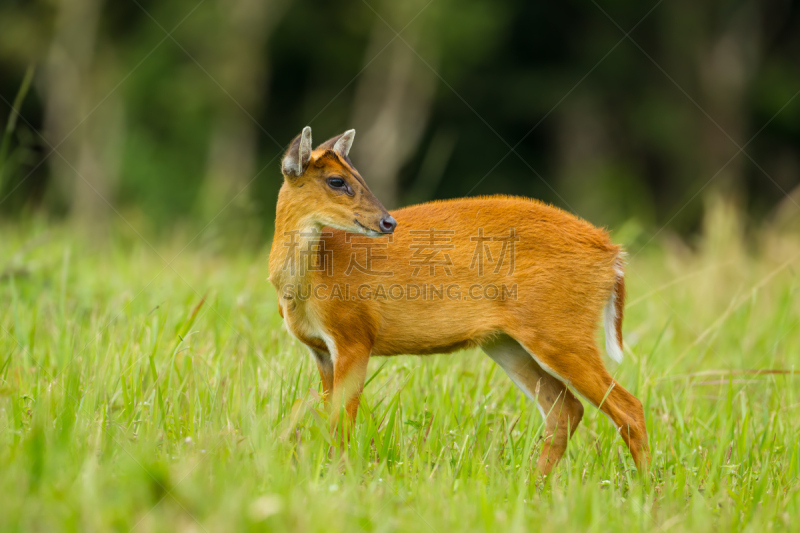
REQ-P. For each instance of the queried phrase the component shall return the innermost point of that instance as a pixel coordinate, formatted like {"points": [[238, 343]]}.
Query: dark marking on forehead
{"points": [[327, 156], [357, 176], [355, 172], [330, 155]]}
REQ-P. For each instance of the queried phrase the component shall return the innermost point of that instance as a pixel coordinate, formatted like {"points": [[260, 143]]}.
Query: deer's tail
{"points": [[614, 310]]}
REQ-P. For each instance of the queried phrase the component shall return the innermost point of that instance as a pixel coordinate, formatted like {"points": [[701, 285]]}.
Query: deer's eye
{"points": [[335, 183]]}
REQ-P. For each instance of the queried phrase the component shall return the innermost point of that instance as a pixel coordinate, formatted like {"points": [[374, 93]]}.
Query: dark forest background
{"points": [[618, 110]]}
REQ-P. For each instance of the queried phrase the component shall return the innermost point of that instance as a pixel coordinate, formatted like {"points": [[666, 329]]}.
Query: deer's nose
{"points": [[388, 223]]}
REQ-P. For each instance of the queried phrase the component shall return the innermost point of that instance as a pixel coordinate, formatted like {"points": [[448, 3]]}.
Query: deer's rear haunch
{"points": [[526, 282]]}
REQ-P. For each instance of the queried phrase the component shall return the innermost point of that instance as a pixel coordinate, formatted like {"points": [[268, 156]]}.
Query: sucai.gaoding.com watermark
{"points": [[395, 292], [430, 264]]}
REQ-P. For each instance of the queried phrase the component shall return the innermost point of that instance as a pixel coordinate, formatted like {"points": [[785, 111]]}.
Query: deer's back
{"points": [[456, 272]]}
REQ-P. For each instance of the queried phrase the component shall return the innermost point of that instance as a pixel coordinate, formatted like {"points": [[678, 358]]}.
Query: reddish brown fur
{"points": [[544, 339]]}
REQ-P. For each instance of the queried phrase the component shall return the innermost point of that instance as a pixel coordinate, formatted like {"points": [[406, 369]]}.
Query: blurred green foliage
{"points": [[180, 110]]}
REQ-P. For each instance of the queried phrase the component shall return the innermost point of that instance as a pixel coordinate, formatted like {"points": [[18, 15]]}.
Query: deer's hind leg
{"points": [[560, 408], [578, 363]]}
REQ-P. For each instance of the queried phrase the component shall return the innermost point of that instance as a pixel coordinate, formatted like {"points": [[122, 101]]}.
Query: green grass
{"points": [[122, 410]]}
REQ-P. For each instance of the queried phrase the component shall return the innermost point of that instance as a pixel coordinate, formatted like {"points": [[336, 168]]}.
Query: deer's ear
{"points": [[340, 144], [343, 144], [296, 158]]}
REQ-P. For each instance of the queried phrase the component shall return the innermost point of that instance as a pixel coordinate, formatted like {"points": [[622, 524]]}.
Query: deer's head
{"points": [[325, 189]]}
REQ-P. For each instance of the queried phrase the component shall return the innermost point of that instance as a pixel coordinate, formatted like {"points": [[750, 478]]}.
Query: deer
{"points": [[534, 311]]}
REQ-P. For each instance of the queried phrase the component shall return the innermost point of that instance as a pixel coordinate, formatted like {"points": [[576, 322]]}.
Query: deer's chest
{"points": [[303, 321]]}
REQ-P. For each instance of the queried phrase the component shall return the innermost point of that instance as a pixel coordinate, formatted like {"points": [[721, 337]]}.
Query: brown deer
{"points": [[524, 281]]}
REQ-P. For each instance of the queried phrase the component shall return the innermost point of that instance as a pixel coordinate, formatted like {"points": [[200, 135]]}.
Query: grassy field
{"points": [[128, 403]]}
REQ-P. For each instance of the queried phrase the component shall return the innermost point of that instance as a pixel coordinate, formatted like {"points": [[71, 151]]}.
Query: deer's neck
{"points": [[295, 231]]}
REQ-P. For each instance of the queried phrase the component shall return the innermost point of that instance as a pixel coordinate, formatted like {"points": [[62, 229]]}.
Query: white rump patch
{"points": [[612, 342]]}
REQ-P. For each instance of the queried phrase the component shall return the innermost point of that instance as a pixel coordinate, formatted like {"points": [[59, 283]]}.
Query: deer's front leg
{"points": [[325, 367], [349, 372]]}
